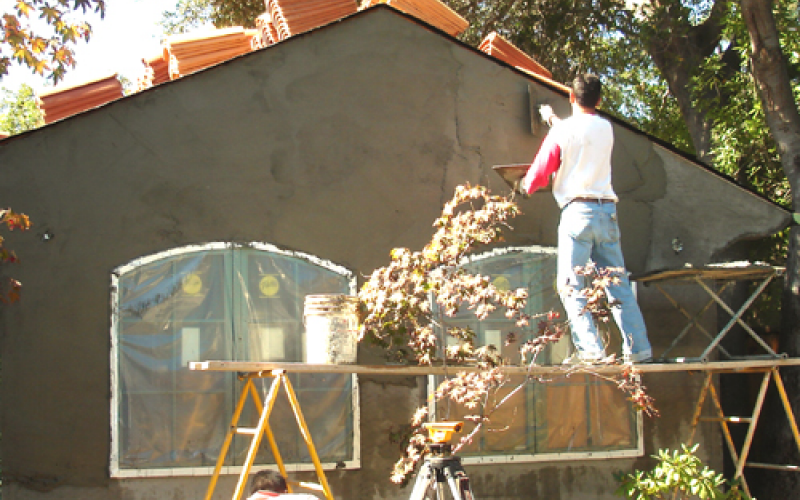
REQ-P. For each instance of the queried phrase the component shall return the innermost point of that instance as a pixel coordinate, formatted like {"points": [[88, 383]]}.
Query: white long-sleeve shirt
{"points": [[577, 151]]}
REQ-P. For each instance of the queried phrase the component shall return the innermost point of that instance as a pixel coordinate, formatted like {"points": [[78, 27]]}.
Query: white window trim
{"points": [[114, 468], [539, 250], [637, 451]]}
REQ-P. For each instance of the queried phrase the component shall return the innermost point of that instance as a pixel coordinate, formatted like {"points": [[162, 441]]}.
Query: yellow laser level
{"points": [[441, 468], [441, 432]]}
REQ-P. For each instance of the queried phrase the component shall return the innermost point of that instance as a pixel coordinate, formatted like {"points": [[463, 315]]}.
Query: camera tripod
{"points": [[440, 467]]}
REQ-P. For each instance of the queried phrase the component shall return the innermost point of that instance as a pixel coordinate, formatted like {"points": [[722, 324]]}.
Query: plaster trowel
{"points": [[512, 174]]}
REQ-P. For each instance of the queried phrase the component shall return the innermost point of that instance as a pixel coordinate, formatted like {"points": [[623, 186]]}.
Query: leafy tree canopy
{"points": [[742, 144], [45, 46], [192, 14], [18, 111], [9, 287]]}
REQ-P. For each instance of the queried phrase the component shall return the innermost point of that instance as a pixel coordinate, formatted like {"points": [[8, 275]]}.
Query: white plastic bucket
{"points": [[331, 329]]}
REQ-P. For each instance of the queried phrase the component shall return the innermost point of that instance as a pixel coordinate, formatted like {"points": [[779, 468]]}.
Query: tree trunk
{"points": [[769, 69], [678, 48], [679, 79]]}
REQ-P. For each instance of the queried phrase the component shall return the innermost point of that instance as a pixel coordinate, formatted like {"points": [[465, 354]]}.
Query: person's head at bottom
{"points": [[268, 480]]}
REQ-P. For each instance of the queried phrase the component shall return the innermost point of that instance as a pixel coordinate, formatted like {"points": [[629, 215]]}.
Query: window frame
{"points": [[486, 458], [114, 465]]}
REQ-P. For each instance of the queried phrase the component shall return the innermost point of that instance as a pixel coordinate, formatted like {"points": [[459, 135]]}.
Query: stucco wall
{"points": [[343, 144]]}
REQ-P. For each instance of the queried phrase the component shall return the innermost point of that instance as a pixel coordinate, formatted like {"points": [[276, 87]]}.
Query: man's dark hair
{"points": [[268, 480], [587, 89]]}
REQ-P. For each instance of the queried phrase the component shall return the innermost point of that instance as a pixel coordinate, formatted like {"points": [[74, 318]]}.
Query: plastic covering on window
{"points": [[585, 414], [564, 415], [225, 304]]}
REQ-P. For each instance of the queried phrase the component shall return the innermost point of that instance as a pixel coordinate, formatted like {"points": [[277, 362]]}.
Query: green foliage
{"points": [[680, 475], [18, 111], [187, 16], [44, 52], [192, 14], [562, 35], [635, 92], [237, 12], [743, 146]]}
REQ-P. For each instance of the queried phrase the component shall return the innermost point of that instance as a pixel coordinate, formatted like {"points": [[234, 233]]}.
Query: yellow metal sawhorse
{"points": [[740, 457], [280, 378]]}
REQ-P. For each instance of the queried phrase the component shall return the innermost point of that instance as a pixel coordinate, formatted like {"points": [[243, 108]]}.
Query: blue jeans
{"points": [[589, 231]]}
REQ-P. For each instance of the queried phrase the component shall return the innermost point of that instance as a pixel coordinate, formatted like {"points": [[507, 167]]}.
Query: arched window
{"points": [[218, 302], [573, 417]]}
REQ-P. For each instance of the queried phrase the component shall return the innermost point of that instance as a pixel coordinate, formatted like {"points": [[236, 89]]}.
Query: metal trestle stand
{"points": [[280, 378]]}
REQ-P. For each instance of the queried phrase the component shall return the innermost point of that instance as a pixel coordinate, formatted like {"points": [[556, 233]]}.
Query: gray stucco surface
{"points": [[342, 143]]}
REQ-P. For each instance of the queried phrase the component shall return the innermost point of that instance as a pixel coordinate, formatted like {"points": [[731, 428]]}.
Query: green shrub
{"points": [[680, 475]]}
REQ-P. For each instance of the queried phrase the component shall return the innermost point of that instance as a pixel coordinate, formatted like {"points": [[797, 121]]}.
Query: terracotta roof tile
{"points": [[499, 47], [432, 12], [290, 17], [269, 34], [61, 102], [187, 53], [154, 72]]}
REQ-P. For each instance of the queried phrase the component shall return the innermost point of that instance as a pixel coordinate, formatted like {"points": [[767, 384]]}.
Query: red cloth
{"points": [[546, 163]]}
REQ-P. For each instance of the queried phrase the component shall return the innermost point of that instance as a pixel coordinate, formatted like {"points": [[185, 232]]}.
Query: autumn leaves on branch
{"points": [[42, 52], [10, 290], [404, 306]]}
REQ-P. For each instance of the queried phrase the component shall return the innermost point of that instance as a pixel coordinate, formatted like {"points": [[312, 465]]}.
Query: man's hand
{"points": [[519, 188], [547, 114]]}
